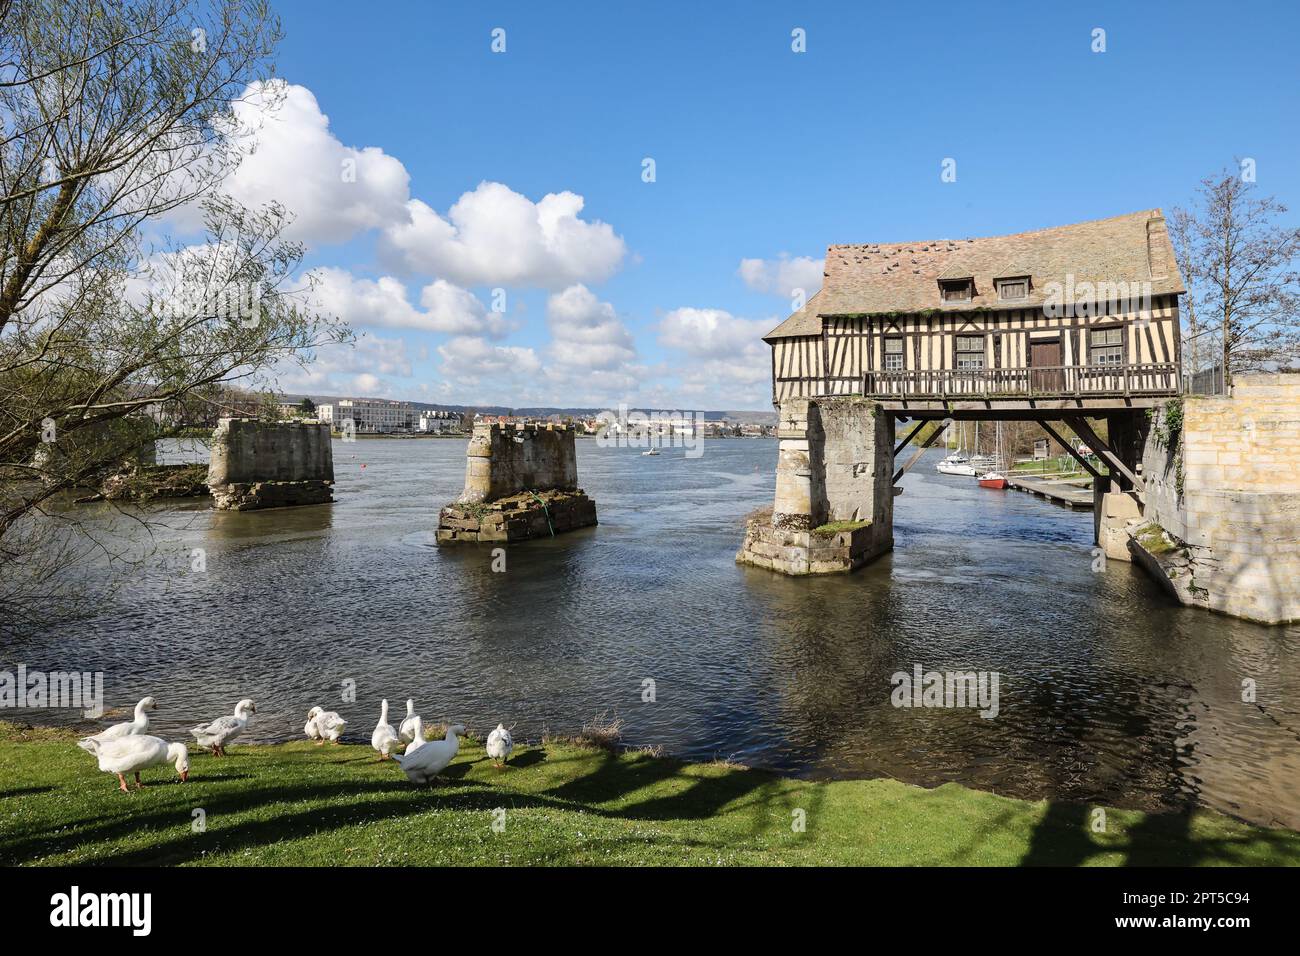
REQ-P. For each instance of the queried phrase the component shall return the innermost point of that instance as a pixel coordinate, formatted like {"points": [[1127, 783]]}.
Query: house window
{"points": [[970, 351], [1010, 289], [957, 290], [893, 355], [1106, 346]]}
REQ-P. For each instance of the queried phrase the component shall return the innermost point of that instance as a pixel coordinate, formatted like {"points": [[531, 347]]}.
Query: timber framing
{"points": [[1096, 328]]}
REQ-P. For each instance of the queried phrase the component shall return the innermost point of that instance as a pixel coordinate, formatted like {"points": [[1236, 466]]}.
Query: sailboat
{"points": [[993, 477], [957, 463]]}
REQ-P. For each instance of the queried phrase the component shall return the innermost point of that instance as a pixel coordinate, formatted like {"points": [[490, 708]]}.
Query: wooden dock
{"points": [[1062, 492]]}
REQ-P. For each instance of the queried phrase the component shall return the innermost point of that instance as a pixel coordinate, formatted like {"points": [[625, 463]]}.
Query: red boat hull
{"points": [[993, 483]]}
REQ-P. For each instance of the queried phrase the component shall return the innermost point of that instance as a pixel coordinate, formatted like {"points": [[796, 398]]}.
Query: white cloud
{"points": [[367, 385], [728, 365], [586, 332], [361, 369], [334, 191], [469, 359], [383, 302], [781, 276], [713, 332], [495, 236]]}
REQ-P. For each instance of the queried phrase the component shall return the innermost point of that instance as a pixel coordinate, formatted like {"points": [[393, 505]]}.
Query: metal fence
{"points": [[1207, 381]]}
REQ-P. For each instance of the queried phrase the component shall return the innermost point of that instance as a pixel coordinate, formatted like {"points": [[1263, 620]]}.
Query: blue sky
{"points": [[760, 153]]}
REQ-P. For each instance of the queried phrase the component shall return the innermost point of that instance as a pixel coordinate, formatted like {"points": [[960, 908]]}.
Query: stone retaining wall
{"points": [[1223, 490]]}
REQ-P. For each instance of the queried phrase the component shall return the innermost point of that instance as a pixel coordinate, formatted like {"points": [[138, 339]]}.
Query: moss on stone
{"points": [[835, 527]]}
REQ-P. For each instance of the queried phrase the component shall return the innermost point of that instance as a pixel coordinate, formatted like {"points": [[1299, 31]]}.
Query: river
{"points": [[1107, 690]]}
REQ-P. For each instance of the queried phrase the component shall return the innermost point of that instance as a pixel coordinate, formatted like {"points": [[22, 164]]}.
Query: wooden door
{"points": [[1045, 360]]}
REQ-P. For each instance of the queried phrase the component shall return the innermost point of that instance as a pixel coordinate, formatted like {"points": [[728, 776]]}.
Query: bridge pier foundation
{"points": [[834, 506]]}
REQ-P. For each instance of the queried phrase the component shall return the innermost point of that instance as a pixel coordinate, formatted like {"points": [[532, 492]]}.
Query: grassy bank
{"points": [[302, 804]]}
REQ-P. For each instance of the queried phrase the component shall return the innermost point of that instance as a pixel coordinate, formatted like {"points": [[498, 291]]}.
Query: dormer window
{"points": [[1011, 289], [956, 290]]}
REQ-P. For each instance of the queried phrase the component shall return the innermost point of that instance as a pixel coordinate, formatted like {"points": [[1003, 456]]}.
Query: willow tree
{"points": [[117, 116]]}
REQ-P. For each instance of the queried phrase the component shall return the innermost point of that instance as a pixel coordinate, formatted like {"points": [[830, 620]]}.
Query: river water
{"points": [[1107, 691]]}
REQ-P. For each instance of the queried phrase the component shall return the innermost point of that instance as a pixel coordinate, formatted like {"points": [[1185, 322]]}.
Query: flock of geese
{"points": [[128, 748]]}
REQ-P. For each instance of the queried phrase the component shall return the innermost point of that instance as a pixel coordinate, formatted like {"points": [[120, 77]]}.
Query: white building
{"points": [[369, 415], [437, 422]]}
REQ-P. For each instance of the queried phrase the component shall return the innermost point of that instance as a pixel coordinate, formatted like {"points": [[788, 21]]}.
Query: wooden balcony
{"points": [[1040, 382]]}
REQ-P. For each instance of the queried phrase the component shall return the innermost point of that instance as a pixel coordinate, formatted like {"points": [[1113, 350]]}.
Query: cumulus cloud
{"points": [[361, 368], [494, 235], [727, 363], [781, 276], [711, 333], [587, 332], [333, 191], [384, 302], [469, 359]]}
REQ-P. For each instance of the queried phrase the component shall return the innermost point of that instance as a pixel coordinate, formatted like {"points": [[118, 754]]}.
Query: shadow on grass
{"points": [[529, 758], [24, 792], [1063, 837]]}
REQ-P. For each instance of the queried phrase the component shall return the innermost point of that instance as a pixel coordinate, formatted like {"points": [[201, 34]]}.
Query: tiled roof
{"points": [[806, 321], [879, 278]]}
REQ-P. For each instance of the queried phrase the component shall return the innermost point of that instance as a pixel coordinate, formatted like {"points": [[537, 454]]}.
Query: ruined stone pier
{"points": [[834, 505], [255, 464], [521, 482]]}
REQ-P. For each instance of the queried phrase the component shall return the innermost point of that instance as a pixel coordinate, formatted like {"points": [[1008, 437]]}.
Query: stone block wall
{"points": [[255, 464], [834, 465], [1225, 493], [503, 460], [521, 482]]}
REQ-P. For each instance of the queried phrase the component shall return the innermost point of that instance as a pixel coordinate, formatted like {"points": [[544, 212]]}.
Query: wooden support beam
{"points": [[1087, 465], [910, 435], [1104, 451], [921, 451]]}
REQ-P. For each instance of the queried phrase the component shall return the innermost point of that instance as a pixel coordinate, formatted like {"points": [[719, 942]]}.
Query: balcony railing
{"points": [[1043, 381]]}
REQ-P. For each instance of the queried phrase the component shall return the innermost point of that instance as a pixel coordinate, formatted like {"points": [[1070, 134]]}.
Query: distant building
{"points": [[369, 415], [435, 422]]}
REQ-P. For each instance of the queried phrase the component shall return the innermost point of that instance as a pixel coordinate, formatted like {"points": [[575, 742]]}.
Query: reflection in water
{"points": [[1108, 691]]}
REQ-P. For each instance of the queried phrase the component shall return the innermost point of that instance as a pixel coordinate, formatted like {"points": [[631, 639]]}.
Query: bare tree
{"points": [[1239, 265]]}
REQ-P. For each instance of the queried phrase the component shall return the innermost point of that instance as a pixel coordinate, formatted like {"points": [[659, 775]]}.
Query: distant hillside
{"points": [[545, 411]]}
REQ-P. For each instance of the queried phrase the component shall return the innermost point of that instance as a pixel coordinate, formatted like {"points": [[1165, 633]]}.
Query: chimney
{"points": [[1159, 257]]}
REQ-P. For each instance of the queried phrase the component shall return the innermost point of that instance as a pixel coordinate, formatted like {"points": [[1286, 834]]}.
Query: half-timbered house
{"points": [[1084, 315]]}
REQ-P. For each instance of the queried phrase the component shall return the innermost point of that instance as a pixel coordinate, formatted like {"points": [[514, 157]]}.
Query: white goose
{"points": [[422, 762], [224, 729], [499, 745], [417, 737], [137, 726], [326, 724], [137, 752], [407, 730], [384, 739]]}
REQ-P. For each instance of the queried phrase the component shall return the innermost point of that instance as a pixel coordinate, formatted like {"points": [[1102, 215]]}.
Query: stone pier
{"points": [[255, 464], [1220, 527], [521, 482], [834, 505]]}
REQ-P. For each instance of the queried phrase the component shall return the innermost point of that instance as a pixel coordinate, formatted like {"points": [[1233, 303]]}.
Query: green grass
{"points": [[302, 804]]}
